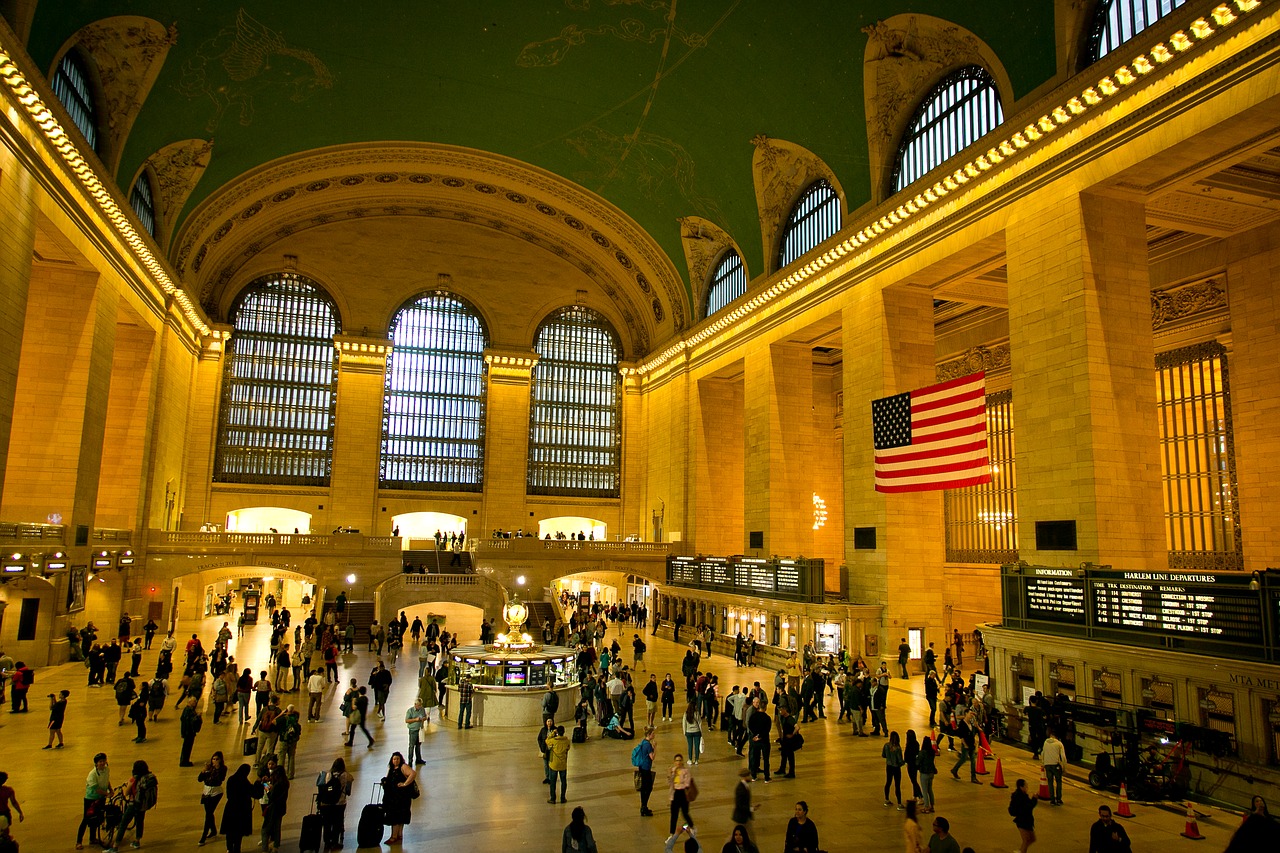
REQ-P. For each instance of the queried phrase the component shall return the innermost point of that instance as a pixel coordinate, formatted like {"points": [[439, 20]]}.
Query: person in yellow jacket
{"points": [[558, 760]]}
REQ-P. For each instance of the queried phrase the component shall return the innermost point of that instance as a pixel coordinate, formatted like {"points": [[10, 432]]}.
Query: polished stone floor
{"points": [[482, 791]]}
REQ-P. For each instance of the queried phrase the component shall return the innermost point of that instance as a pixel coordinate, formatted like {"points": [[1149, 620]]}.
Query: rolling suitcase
{"points": [[369, 829], [312, 831]]}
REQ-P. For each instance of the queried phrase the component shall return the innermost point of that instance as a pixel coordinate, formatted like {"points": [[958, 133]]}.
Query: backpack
{"points": [[148, 790], [330, 790], [268, 723], [290, 730], [636, 755], [124, 689]]}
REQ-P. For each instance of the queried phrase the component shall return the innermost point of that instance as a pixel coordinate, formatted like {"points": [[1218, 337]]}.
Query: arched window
{"points": [[815, 217], [433, 412], [727, 283], [959, 111], [1117, 21], [575, 419], [143, 203], [71, 85], [276, 424]]}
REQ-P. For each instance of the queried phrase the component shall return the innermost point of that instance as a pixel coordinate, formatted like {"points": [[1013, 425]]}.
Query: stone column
{"points": [[1255, 405], [55, 448], [719, 442], [889, 349], [203, 412], [778, 418], [1084, 410], [506, 454], [17, 244], [121, 483], [357, 435]]}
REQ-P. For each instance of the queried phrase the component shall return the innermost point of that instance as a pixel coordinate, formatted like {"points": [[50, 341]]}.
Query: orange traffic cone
{"points": [[1193, 830], [981, 766], [998, 781], [985, 744], [1123, 809], [1044, 786]]}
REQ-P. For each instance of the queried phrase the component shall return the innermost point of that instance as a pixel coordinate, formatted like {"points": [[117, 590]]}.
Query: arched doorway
{"points": [[424, 525], [569, 526], [223, 592], [268, 519]]}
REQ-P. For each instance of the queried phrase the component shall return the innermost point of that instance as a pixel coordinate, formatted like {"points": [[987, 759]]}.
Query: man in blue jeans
{"points": [[465, 692], [966, 730], [1053, 755]]}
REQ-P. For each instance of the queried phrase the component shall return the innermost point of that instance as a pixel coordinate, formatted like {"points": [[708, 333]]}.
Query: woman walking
{"points": [[211, 777], [927, 768], [577, 836], [912, 834], [398, 790], [683, 790], [693, 731], [237, 817], [909, 753], [1022, 806], [891, 752], [244, 687]]}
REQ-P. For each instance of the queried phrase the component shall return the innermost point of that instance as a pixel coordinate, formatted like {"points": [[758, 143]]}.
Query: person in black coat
{"points": [[237, 816], [1022, 806]]}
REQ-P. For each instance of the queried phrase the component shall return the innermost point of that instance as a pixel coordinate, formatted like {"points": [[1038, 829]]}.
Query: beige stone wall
{"points": [[126, 430], [17, 240], [720, 454]]}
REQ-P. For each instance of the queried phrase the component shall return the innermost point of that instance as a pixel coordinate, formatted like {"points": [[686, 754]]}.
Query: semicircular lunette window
{"points": [[276, 424], [71, 85], [143, 203], [575, 418], [728, 281], [959, 111], [814, 218], [434, 408], [1117, 21]]}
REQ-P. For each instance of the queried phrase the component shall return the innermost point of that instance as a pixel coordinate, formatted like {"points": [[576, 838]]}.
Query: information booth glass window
{"points": [[1217, 710], [1063, 677]]}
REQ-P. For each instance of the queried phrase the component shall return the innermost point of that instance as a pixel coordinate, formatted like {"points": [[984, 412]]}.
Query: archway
{"points": [[452, 616], [220, 592], [424, 525], [571, 525], [268, 519]]}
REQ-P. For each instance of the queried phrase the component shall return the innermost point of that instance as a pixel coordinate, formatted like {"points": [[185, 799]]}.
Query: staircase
{"points": [[360, 614], [433, 562], [539, 612]]}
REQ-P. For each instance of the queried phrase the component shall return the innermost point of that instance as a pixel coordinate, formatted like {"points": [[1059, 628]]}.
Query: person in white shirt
{"points": [[1054, 756], [315, 690]]}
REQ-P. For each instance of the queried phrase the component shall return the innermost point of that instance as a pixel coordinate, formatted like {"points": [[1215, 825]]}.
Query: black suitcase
{"points": [[369, 829], [312, 830]]}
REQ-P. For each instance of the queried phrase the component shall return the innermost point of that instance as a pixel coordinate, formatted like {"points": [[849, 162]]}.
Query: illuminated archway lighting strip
{"points": [[1180, 42], [89, 181]]}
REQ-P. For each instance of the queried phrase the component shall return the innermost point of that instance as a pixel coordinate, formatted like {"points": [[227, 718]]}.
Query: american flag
{"points": [[933, 438]]}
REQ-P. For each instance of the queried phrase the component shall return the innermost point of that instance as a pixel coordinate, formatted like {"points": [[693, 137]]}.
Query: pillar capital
{"points": [[510, 365], [359, 354]]}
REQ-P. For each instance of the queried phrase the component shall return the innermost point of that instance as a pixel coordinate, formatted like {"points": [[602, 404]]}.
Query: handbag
{"points": [[795, 741], [638, 779], [414, 790], [251, 746], [691, 792]]}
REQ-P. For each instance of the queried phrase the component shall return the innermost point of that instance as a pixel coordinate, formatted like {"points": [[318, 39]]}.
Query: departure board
{"points": [[755, 574], [788, 575], [1204, 606], [1056, 595]]}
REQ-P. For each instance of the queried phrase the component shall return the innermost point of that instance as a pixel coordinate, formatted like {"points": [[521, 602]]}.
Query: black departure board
{"points": [[788, 575], [1205, 606], [755, 574], [1056, 595]]}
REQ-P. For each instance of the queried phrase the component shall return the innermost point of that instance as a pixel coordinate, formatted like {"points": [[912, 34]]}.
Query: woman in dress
{"points": [[577, 836], [397, 796], [237, 817], [1022, 806], [681, 781], [211, 777]]}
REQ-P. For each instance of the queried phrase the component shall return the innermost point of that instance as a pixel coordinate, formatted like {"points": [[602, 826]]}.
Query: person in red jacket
{"points": [[18, 686]]}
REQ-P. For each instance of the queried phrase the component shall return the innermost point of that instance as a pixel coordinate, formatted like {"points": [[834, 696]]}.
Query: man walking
{"points": [[759, 727], [558, 761], [414, 719], [966, 731], [466, 690], [315, 690], [644, 766], [904, 655], [1053, 755]]}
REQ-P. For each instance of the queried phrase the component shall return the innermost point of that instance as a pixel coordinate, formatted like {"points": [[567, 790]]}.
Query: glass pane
{"points": [[958, 112], [728, 282], [815, 217]]}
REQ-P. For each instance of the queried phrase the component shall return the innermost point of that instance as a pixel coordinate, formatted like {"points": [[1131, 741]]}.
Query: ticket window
{"points": [[1217, 710], [1271, 725], [828, 641], [1063, 678], [775, 625], [1107, 688], [1157, 694], [1023, 669]]}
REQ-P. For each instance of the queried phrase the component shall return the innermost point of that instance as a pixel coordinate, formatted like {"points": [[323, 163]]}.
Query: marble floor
{"points": [[482, 791]]}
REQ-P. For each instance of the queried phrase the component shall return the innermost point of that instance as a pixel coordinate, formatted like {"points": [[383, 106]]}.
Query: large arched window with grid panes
{"points": [[728, 281], [71, 85], [1117, 21], [575, 417], [959, 111], [814, 218], [433, 411], [142, 200], [276, 424]]}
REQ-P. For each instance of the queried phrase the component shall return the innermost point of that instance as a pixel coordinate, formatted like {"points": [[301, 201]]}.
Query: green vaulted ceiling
{"points": [[650, 104]]}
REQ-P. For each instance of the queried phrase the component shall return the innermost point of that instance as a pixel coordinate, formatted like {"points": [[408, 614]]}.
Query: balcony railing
{"points": [[531, 545], [32, 534], [281, 541]]}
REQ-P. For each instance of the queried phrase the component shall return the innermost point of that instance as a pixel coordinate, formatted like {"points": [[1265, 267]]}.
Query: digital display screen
{"points": [[788, 576], [517, 677], [1177, 604], [1056, 595]]}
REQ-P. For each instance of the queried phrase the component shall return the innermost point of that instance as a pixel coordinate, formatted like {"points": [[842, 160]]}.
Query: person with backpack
{"points": [[333, 788], [138, 712], [140, 794], [642, 760], [289, 729], [125, 695], [267, 726]]}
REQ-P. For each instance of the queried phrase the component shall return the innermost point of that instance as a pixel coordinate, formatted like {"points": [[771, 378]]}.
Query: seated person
{"points": [[617, 731]]}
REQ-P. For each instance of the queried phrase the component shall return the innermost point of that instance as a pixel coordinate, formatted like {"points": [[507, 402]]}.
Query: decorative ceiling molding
{"points": [[1191, 302], [994, 359], [905, 57], [175, 169], [704, 243], [128, 53], [781, 171], [436, 180]]}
